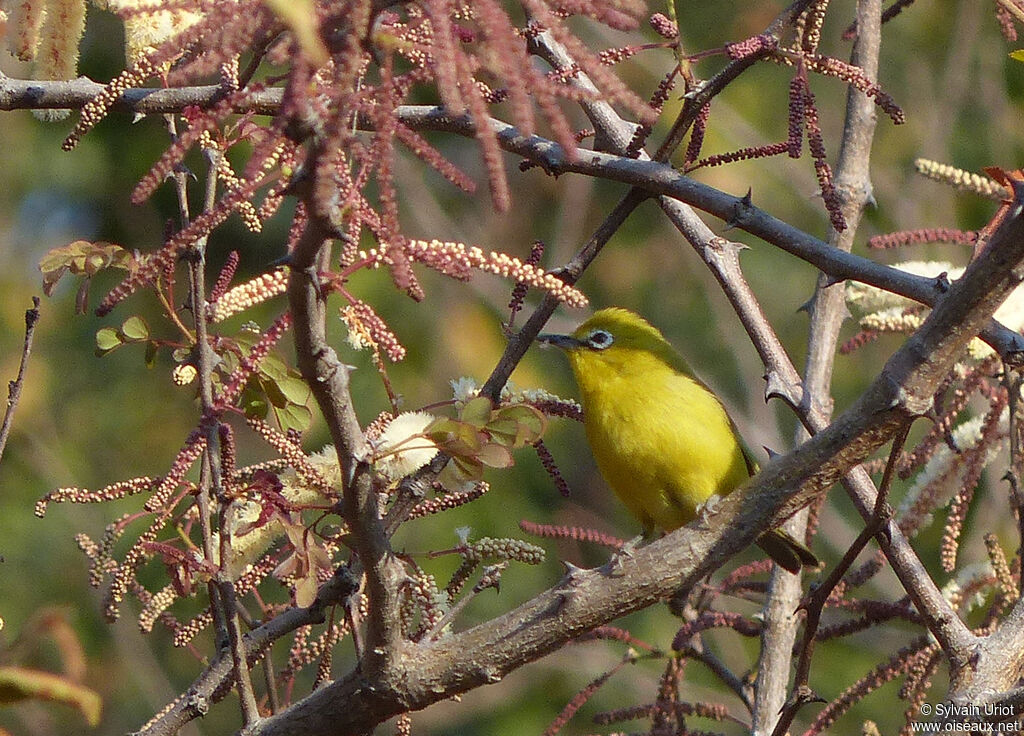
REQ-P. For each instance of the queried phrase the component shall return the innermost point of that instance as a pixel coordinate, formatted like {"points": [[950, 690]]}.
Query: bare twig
{"points": [[222, 592], [702, 95], [815, 602], [74, 94], [328, 379], [827, 312], [14, 387]]}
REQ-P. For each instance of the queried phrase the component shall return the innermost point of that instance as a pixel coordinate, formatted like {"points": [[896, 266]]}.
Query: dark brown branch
{"points": [[223, 602]]}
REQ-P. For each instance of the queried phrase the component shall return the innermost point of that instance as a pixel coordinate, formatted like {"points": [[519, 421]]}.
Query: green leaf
{"points": [[107, 339], [455, 437], [305, 589], [495, 456], [466, 469], [293, 416], [273, 392], [524, 414], [180, 355], [517, 425], [503, 431], [295, 389], [477, 411], [255, 406], [135, 329], [273, 367], [1017, 55]]}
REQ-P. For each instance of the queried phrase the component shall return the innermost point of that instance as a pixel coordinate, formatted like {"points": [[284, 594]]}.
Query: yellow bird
{"points": [[661, 438]]}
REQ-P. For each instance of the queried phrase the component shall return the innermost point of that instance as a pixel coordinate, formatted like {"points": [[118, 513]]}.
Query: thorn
{"points": [[740, 210], [724, 245], [807, 306], [1018, 196], [942, 283], [775, 387], [694, 90], [314, 278], [571, 570], [771, 453], [614, 566], [831, 280]]}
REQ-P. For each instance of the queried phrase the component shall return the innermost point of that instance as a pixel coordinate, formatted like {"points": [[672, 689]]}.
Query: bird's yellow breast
{"points": [[662, 441]]}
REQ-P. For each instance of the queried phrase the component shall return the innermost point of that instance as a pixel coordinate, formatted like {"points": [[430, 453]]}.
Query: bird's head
{"points": [[613, 336]]}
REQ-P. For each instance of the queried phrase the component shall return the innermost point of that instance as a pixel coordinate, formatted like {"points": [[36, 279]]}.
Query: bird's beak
{"points": [[566, 342]]}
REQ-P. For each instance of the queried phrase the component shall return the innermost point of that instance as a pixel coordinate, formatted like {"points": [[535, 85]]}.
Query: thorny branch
{"points": [[815, 601]]}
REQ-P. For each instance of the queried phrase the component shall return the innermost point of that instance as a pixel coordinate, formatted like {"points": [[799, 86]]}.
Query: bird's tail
{"points": [[787, 552]]}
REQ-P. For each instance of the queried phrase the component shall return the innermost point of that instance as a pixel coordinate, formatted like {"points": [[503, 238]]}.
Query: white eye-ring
{"points": [[599, 339]]}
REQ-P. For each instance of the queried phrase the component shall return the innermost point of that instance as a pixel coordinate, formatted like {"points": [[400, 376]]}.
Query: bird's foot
{"points": [[708, 509]]}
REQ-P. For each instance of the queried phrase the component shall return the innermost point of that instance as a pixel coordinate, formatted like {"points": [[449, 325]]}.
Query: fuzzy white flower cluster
{"points": [[401, 448], [972, 576], [883, 311], [466, 388], [965, 436]]}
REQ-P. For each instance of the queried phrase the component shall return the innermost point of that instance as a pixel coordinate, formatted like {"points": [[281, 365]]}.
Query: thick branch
{"points": [[485, 653], [328, 379]]}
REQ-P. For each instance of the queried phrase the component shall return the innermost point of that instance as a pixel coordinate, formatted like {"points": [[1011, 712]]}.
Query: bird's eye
{"points": [[599, 339]]}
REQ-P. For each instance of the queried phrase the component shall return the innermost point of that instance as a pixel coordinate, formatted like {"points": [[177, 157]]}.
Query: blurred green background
{"points": [[88, 421]]}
